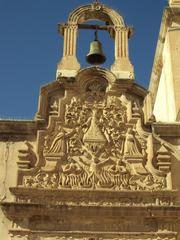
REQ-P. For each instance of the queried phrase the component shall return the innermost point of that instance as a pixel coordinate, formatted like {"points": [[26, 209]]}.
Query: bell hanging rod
{"points": [[107, 27], [104, 27], [61, 27], [96, 27]]}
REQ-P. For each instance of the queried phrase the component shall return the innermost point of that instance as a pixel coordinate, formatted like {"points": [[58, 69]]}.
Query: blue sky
{"points": [[30, 46]]}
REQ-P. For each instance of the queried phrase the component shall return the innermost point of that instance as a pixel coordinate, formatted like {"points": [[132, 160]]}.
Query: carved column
{"points": [[70, 33], [69, 65], [122, 66], [121, 43]]}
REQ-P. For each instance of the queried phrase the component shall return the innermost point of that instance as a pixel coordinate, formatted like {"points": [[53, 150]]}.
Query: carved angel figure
{"points": [[59, 144], [131, 144]]}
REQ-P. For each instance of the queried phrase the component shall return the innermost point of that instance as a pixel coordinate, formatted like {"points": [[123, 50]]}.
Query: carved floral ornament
{"points": [[98, 142]]}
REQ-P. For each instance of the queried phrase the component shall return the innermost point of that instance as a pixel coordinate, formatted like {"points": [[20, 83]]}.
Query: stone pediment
{"points": [[96, 139]]}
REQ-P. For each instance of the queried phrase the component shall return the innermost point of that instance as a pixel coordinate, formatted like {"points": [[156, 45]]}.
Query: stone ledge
{"points": [[166, 129], [96, 235], [94, 197], [20, 127], [115, 219]]}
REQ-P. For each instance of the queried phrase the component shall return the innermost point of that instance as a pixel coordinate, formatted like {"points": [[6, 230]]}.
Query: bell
{"points": [[95, 55]]}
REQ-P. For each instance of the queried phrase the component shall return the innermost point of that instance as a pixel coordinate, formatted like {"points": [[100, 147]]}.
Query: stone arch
{"points": [[69, 65], [93, 12]]}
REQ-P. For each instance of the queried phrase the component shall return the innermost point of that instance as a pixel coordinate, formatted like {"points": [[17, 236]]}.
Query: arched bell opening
{"points": [[69, 65], [85, 41]]}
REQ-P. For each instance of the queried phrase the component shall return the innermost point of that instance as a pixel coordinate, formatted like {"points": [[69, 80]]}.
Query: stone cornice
{"points": [[89, 218], [20, 127], [60, 198], [15, 210], [80, 235], [167, 129], [51, 86]]}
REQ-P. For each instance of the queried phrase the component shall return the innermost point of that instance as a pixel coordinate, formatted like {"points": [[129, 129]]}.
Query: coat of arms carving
{"points": [[97, 142]]}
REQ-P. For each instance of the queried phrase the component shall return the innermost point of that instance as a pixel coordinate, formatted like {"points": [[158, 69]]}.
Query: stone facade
{"points": [[164, 84], [94, 164]]}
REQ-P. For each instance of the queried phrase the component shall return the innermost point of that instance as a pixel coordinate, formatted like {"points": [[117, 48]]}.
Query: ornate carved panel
{"points": [[98, 141], [94, 168]]}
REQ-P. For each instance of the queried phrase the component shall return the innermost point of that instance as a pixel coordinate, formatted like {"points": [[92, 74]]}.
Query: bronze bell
{"points": [[96, 55]]}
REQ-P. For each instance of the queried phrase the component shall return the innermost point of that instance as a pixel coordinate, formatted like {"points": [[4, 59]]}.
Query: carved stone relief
{"points": [[27, 156], [53, 105], [95, 91], [96, 171], [98, 145]]}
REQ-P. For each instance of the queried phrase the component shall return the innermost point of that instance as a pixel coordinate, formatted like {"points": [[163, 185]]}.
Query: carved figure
{"points": [[54, 106], [59, 144], [98, 149], [135, 110], [119, 168], [131, 144], [94, 139]]}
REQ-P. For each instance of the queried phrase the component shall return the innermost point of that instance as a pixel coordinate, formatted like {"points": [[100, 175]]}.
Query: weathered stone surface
{"points": [[94, 164], [174, 3], [164, 84]]}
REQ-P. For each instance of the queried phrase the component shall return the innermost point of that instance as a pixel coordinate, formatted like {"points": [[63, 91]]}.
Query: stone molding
{"points": [[66, 235]]}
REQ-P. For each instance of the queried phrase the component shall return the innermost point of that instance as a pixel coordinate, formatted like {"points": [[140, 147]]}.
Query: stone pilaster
{"points": [[122, 66], [69, 64]]}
